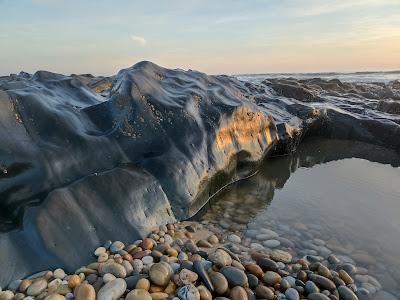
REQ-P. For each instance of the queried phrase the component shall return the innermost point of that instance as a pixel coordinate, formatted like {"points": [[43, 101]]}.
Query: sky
{"points": [[213, 36]]}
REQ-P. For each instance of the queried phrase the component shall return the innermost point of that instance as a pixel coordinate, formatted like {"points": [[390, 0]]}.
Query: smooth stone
{"points": [[112, 290], [346, 294], [159, 296], [117, 246], [271, 278], [114, 268], [147, 260], [253, 281], [292, 294], [131, 281], [271, 243], [138, 294], [204, 244], [213, 239], [37, 287], [311, 288], [234, 276], [254, 269], [323, 282], [108, 277], [345, 277], [324, 271], [160, 273], [84, 292], [238, 293], [6, 295], [233, 238], [282, 256], [349, 268], [318, 296], [187, 277], [57, 297], [198, 267], [219, 282], [220, 258], [267, 264], [143, 284], [285, 285], [262, 292], [205, 294], [100, 250], [188, 292]]}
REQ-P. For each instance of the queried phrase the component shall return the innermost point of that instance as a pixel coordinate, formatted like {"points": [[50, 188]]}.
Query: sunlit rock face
{"points": [[84, 159]]}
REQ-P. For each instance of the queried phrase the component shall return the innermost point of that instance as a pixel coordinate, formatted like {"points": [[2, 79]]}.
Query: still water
{"points": [[321, 202]]}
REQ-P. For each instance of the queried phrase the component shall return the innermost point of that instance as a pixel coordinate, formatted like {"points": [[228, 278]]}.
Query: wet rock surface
{"points": [[85, 159]]}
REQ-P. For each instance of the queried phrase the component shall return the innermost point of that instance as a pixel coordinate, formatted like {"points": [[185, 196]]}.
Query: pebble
{"points": [[204, 244], [318, 296], [219, 282], [234, 276], [187, 277], [282, 256], [292, 294], [198, 267], [116, 269], [311, 288], [213, 239], [73, 281], [84, 292], [37, 287], [143, 283], [267, 264], [238, 293], [205, 294], [138, 294], [112, 290], [220, 258], [188, 292], [117, 246], [346, 294], [160, 273], [322, 282], [55, 297], [271, 243], [271, 278], [263, 292], [99, 251], [233, 238]]}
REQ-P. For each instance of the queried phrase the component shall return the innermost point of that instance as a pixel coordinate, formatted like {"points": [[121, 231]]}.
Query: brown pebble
{"points": [[74, 281], [156, 289], [84, 292], [171, 288], [141, 254], [24, 285], [238, 293], [159, 296], [264, 292], [147, 244], [254, 269], [143, 284]]}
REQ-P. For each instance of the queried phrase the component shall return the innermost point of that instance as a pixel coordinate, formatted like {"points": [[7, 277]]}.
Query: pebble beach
{"points": [[205, 260]]}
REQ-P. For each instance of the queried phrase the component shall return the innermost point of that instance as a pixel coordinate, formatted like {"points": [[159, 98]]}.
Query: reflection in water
{"points": [[343, 204]]}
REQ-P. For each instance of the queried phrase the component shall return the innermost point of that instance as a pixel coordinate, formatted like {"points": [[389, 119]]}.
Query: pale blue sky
{"points": [[214, 36]]}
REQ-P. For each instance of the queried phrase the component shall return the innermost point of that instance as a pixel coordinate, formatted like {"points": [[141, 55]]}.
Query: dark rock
{"points": [[199, 269]]}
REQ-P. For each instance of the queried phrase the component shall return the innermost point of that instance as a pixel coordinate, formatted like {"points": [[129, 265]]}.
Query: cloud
{"points": [[139, 40]]}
